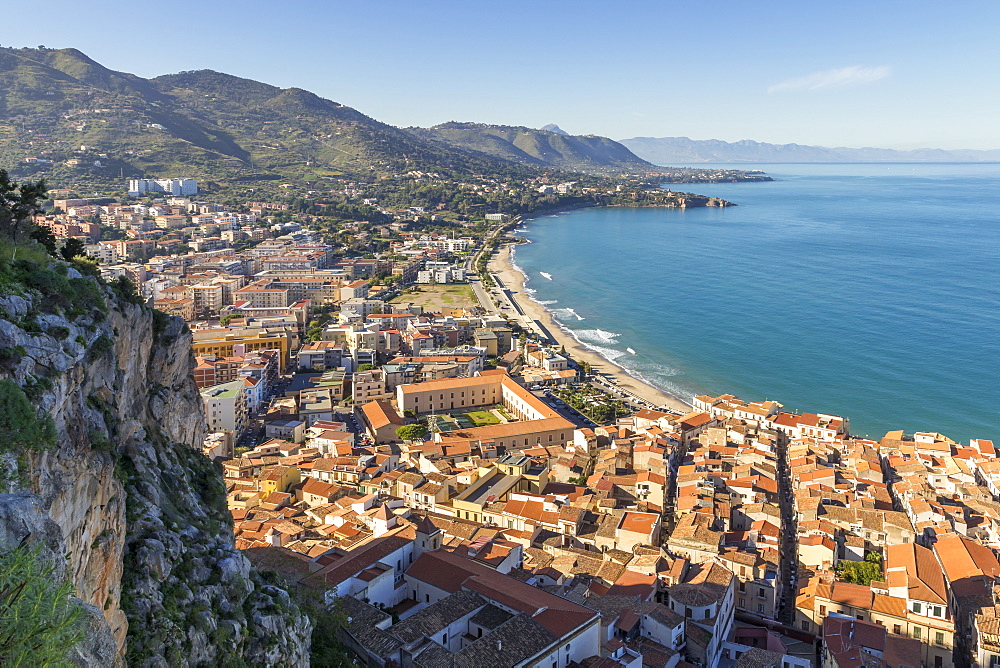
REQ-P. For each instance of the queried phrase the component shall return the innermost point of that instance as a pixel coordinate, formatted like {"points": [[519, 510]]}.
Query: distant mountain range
{"points": [[681, 150], [538, 148], [69, 119]]}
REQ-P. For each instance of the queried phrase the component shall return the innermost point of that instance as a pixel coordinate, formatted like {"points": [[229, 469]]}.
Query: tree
{"points": [[72, 248], [862, 572], [44, 236], [18, 203], [125, 289], [366, 367], [412, 432]]}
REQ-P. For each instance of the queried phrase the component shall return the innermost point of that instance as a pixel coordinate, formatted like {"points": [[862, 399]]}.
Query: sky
{"points": [[886, 73]]}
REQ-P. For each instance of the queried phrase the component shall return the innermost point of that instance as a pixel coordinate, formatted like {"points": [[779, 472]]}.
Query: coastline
{"points": [[501, 266]]}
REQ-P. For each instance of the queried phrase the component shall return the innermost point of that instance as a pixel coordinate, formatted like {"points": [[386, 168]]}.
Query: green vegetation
{"points": [[20, 423], [861, 572], [590, 401], [316, 327], [40, 623], [482, 418], [541, 148], [212, 126], [325, 650], [366, 367], [126, 291], [412, 432], [237, 134], [17, 204]]}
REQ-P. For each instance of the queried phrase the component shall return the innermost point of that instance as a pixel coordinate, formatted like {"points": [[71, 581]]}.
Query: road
{"points": [[789, 546]]}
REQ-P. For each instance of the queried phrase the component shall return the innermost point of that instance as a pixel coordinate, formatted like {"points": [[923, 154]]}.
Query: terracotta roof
{"points": [[451, 572], [381, 414]]}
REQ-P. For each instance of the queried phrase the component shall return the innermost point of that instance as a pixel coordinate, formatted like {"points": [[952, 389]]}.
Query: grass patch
{"points": [[437, 297], [482, 418]]}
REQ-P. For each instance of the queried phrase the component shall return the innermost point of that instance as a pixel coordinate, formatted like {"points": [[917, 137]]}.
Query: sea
{"points": [[870, 291]]}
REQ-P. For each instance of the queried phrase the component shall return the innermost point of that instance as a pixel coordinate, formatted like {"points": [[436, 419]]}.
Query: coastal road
{"points": [[482, 296]]}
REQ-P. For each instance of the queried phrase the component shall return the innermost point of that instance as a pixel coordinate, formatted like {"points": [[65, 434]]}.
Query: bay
{"points": [[867, 291]]}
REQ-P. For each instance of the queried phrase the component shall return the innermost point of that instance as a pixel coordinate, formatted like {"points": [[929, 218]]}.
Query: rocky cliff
{"points": [[126, 492]]}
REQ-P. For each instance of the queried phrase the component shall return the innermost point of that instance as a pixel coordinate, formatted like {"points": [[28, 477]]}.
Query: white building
{"points": [[137, 187], [226, 407]]}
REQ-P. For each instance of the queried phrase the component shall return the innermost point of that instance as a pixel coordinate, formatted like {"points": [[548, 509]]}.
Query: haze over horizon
{"points": [[892, 75]]}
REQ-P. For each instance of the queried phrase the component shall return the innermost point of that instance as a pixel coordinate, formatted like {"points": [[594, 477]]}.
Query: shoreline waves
{"points": [[513, 277], [857, 291]]}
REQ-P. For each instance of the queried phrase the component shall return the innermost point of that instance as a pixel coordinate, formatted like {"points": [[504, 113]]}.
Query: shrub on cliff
{"points": [[39, 623], [20, 423]]}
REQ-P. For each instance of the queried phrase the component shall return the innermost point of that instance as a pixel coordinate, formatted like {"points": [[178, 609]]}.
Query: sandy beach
{"points": [[513, 279]]}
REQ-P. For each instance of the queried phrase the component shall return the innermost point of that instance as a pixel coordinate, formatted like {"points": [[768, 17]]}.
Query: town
{"points": [[394, 435]]}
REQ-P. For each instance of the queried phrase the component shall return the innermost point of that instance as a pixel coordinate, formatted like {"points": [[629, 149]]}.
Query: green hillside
{"points": [[541, 148], [60, 105]]}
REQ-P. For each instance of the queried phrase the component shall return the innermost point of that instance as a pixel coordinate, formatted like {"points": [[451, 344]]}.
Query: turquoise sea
{"points": [[868, 291]]}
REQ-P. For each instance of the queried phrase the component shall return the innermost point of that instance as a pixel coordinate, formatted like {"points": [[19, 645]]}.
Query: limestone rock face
{"points": [[129, 497]]}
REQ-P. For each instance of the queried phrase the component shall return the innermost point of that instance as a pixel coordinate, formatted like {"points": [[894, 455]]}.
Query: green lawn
{"points": [[482, 418]]}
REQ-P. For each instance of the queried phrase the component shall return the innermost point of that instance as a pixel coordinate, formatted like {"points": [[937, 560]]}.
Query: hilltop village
{"points": [[467, 494]]}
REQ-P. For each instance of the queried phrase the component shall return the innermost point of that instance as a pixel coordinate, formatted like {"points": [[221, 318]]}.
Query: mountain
{"points": [[552, 127], [540, 148], [674, 150], [203, 124]]}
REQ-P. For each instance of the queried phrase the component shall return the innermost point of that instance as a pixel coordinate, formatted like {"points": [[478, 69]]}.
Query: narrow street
{"points": [[789, 546]]}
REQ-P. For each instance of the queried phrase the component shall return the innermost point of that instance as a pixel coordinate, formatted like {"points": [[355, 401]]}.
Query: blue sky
{"points": [[889, 74]]}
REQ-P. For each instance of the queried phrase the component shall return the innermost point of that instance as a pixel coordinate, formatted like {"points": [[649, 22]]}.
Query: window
{"points": [[760, 593], [917, 632], [743, 603], [939, 638], [822, 610], [707, 613], [805, 626], [916, 607], [937, 611], [760, 608]]}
